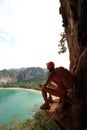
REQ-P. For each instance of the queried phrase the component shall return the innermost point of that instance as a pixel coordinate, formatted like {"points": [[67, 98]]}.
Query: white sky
{"points": [[29, 33]]}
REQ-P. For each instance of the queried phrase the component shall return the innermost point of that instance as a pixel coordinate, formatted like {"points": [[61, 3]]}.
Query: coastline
{"points": [[31, 90]]}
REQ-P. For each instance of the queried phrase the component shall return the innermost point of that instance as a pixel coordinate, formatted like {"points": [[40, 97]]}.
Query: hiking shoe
{"points": [[45, 106]]}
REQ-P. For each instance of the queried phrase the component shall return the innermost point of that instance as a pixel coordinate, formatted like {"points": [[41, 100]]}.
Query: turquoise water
{"points": [[18, 102]]}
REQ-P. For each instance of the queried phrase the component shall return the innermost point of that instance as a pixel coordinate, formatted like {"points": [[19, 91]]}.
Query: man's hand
{"points": [[41, 85]]}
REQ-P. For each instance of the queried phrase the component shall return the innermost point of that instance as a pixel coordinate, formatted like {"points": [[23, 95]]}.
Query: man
{"points": [[54, 84]]}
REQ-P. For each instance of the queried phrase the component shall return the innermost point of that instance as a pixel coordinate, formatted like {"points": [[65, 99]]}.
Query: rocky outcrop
{"points": [[73, 116], [7, 79], [32, 73], [8, 76], [25, 74], [68, 115], [75, 22]]}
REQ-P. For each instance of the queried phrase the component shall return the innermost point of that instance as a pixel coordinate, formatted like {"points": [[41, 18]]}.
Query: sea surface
{"points": [[20, 103]]}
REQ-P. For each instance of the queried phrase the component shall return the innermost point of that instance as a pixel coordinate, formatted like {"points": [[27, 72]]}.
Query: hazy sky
{"points": [[29, 33]]}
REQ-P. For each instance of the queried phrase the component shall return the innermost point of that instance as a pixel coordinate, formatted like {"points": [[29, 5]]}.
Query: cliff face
{"points": [[8, 76], [67, 115], [73, 115], [32, 73], [27, 74]]}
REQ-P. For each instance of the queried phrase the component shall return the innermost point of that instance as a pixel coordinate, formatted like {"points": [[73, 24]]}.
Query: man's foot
{"points": [[45, 106]]}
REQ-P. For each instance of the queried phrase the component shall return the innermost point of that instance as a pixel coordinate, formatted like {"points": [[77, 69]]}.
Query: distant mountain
{"points": [[22, 74]]}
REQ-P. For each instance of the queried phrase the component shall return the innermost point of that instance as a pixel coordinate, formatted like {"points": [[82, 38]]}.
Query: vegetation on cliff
{"points": [[39, 122]]}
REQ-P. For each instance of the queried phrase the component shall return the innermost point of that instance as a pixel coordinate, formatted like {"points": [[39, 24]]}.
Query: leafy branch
{"points": [[62, 43]]}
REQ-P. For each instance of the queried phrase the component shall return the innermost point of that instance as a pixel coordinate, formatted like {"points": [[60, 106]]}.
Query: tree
{"points": [[74, 15], [62, 43]]}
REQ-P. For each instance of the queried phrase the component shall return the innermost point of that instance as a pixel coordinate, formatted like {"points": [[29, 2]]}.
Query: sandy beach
{"points": [[32, 90]]}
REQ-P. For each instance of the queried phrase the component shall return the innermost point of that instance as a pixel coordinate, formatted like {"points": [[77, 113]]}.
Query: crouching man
{"points": [[58, 83]]}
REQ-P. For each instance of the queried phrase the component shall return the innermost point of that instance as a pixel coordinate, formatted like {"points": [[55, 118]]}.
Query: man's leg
{"points": [[46, 104], [44, 94], [54, 92]]}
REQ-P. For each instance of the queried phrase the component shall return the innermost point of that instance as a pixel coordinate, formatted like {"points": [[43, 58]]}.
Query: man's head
{"points": [[50, 65]]}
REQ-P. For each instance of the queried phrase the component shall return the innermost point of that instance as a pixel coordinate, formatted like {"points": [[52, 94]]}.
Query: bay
{"points": [[18, 102]]}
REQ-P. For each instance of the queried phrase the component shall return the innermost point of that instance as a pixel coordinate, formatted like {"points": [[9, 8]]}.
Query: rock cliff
{"points": [[22, 74], [73, 115]]}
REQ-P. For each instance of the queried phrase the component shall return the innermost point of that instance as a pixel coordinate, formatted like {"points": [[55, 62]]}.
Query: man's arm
{"points": [[48, 80]]}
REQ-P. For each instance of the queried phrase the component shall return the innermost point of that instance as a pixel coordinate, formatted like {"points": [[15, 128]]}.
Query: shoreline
{"points": [[26, 89]]}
